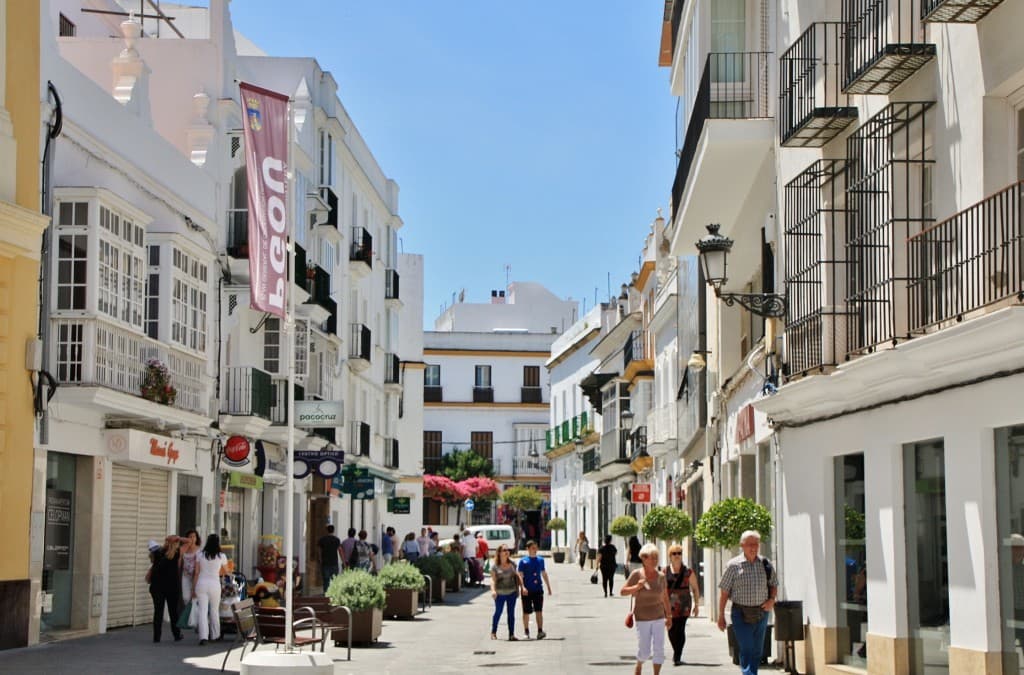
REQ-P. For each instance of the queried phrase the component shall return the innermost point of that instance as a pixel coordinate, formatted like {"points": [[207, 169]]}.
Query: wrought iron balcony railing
{"points": [[432, 394], [957, 11], [483, 394], [531, 395], [391, 286], [361, 249], [248, 392], [392, 370], [360, 346], [391, 453], [885, 44], [530, 466], [238, 233], [360, 439], [732, 86], [328, 195], [279, 409], [812, 106], [968, 262]]}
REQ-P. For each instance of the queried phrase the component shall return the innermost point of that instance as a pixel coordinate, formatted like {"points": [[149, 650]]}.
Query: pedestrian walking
{"points": [[683, 600], [410, 549], [346, 547], [211, 565], [387, 545], [329, 546], [607, 564], [633, 561], [750, 582], [505, 589], [582, 548], [650, 609], [164, 585], [362, 556], [189, 549], [531, 573]]}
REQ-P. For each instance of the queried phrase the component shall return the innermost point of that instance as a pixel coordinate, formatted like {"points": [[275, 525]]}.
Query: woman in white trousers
{"points": [[211, 565]]}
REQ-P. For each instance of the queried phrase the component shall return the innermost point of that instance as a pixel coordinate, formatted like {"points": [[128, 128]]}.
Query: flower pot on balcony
{"points": [[366, 627], [401, 602]]}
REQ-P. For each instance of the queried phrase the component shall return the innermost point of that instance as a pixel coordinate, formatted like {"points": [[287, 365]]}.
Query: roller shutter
{"points": [[138, 513]]}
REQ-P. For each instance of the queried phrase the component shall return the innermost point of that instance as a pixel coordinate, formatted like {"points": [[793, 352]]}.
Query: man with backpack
{"points": [[362, 556], [683, 599]]}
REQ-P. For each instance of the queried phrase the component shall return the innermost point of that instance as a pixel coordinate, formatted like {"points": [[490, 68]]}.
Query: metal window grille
{"points": [[887, 192]]}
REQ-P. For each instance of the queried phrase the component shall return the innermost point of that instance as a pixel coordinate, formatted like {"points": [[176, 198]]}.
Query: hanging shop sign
{"points": [[236, 451], [640, 493], [325, 462], [399, 505], [245, 480], [358, 482], [745, 423], [316, 414], [140, 447], [57, 550]]}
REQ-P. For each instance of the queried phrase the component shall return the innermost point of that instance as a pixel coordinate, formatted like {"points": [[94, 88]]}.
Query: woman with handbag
{"points": [[606, 563], [649, 609], [683, 600], [164, 586], [582, 548]]}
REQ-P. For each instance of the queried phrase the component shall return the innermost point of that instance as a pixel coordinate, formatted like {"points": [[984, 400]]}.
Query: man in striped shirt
{"points": [[751, 584]]}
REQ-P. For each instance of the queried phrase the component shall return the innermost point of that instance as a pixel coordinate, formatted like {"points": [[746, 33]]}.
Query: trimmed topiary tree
{"points": [[666, 522], [723, 523], [625, 527]]}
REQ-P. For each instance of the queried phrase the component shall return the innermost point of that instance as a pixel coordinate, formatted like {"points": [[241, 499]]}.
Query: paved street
{"points": [[585, 634]]}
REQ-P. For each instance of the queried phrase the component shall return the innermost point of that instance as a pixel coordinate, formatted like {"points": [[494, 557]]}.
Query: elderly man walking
{"points": [[751, 583]]}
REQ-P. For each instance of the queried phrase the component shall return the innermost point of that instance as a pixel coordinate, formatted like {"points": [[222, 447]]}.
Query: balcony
{"points": [[391, 287], [103, 364], [725, 163], [391, 453], [279, 402], [531, 395], [247, 392], [318, 285], [483, 394], [392, 371], [812, 106], [359, 347], [639, 459], [359, 439], [957, 11], [968, 264], [432, 394], [527, 466], [662, 425], [612, 457], [331, 200], [884, 44], [238, 233], [360, 253], [591, 461], [635, 360]]}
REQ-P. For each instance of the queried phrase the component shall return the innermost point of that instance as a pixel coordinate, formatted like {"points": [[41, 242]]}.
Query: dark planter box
{"points": [[454, 586], [437, 590], [366, 627], [559, 556], [401, 602]]}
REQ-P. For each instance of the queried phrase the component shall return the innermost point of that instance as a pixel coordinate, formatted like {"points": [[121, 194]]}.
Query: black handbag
{"points": [[593, 578]]}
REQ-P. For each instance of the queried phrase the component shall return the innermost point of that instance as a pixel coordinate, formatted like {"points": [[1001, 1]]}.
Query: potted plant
{"points": [[723, 523], [402, 584], [458, 566], [438, 569], [364, 594], [666, 522], [556, 525], [156, 383], [625, 527]]}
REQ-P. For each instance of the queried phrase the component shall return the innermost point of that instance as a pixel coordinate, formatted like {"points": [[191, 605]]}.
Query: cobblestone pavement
{"points": [[585, 634]]}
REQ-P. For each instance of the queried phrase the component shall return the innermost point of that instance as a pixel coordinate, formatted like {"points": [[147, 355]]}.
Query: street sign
{"points": [[470, 505], [357, 482], [641, 493]]}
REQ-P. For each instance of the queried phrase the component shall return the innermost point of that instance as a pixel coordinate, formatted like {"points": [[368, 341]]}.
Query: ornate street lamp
{"points": [[714, 259]]}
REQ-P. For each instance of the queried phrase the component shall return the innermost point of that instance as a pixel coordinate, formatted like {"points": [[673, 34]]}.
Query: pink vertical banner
{"points": [[266, 168]]}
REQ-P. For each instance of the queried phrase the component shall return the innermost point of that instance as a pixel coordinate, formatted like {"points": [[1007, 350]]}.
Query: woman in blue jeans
{"points": [[504, 589]]}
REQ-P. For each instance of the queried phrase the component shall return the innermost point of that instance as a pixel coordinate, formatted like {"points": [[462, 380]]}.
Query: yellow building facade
{"points": [[21, 228]]}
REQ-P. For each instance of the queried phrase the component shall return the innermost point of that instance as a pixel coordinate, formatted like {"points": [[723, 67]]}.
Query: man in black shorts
{"points": [[531, 572]]}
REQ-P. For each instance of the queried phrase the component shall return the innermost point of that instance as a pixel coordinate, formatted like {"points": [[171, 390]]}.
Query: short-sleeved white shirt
{"points": [[209, 570]]}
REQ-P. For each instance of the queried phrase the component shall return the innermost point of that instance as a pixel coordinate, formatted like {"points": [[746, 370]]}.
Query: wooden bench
{"points": [[332, 618]]}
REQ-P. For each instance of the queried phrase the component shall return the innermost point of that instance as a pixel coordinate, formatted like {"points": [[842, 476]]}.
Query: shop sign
{"points": [[146, 448], [236, 451], [640, 493], [357, 481], [399, 505], [326, 463], [245, 480], [57, 549], [745, 423], [314, 414]]}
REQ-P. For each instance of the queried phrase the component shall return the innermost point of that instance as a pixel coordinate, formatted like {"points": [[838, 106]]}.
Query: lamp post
{"points": [[714, 259]]}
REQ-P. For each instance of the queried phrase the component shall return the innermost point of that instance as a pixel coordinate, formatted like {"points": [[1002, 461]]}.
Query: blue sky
{"points": [[536, 134]]}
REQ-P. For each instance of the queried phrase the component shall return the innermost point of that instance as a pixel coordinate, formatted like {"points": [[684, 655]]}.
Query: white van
{"points": [[495, 536]]}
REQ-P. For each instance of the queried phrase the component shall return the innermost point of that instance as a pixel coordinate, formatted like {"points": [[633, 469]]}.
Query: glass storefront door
{"points": [[851, 560], [924, 473], [1009, 446], [58, 541]]}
